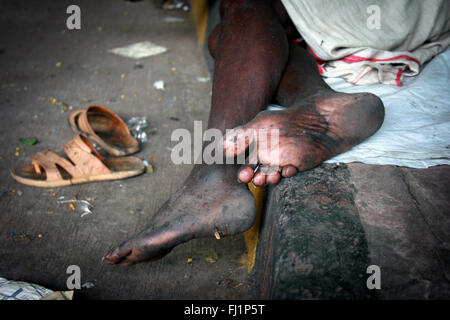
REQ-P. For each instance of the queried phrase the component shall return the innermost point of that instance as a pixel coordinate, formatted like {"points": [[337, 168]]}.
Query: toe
{"points": [[273, 178], [288, 171], [245, 174], [117, 255], [259, 179]]}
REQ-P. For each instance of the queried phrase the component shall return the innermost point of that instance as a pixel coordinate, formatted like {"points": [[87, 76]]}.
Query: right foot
{"points": [[316, 129], [211, 203]]}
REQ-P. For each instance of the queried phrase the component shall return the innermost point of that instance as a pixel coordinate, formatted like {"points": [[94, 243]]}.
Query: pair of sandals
{"points": [[98, 125]]}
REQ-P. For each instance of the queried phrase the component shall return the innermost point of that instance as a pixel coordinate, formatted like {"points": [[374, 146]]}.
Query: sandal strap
{"points": [[85, 157], [46, 160], [86, 161]]}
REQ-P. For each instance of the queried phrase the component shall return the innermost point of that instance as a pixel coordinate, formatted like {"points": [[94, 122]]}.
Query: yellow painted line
{"points": [[251, 236], [200, 12]]}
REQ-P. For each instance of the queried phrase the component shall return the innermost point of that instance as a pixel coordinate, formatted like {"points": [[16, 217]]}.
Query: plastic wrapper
{"points": [[19, 290], [82, 206], [137, 127]]}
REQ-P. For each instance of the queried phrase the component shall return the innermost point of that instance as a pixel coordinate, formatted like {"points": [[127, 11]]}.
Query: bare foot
{"points": [[210, 203], [314, 130]]}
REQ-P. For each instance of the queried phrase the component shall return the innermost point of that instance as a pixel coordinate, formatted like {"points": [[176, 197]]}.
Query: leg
{"points": [[318, 124], [250, 59]]}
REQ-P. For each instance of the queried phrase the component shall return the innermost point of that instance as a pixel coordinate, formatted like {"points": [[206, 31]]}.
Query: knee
{"points": [[230, 6]]}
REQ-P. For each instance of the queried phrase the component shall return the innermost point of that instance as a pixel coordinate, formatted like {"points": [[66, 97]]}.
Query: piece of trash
{"points": [[173, 20], [138, 65], [148, 166], [28, 141], [137, 126], [189, 260], [212, 258], [88, 285], [58, 64], [139, 50], [203, 79], [217, 235], [176, 4], [122, 76], [59, 295], [159, 85], [174, 118], [82, 206]]}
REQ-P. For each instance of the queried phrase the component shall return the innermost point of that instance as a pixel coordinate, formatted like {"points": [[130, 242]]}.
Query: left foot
{"points": [[316, 129], [210, 203]]}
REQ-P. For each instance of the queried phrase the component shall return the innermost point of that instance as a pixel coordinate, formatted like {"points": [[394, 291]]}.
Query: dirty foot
{"points": [[211, 203], [313, 130]]}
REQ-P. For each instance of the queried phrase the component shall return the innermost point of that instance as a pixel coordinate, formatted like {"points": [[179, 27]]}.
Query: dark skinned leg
{"points": [[251, 50]]}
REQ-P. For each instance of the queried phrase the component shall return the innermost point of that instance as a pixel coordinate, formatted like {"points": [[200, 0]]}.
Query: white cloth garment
{"points": [[372, 41]]}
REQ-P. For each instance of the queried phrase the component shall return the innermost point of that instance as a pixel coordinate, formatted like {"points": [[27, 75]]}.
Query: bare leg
{"points": [[251, 51]]}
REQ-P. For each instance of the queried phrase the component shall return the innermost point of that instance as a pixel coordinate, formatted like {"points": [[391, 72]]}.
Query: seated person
{"points": [[256, 64]]}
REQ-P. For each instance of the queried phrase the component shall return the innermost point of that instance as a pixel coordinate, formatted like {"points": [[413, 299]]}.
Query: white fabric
{"points": [[350, 41]]}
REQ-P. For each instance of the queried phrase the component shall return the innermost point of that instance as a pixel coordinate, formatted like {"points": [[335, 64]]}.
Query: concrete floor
{"points": [[403, 212], [34, 39]]}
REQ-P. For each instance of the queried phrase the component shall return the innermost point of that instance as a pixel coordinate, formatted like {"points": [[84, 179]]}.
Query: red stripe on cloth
{"points": [[354, 58], [362, 76], [397, 79], [319, 67]]}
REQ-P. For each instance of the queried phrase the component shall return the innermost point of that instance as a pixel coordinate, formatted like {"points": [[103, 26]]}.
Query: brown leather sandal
{"points": [[105, 128], [86, 165]]}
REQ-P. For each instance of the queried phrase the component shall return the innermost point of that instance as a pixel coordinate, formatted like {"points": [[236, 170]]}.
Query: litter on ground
{"points": [[139, 50]]}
